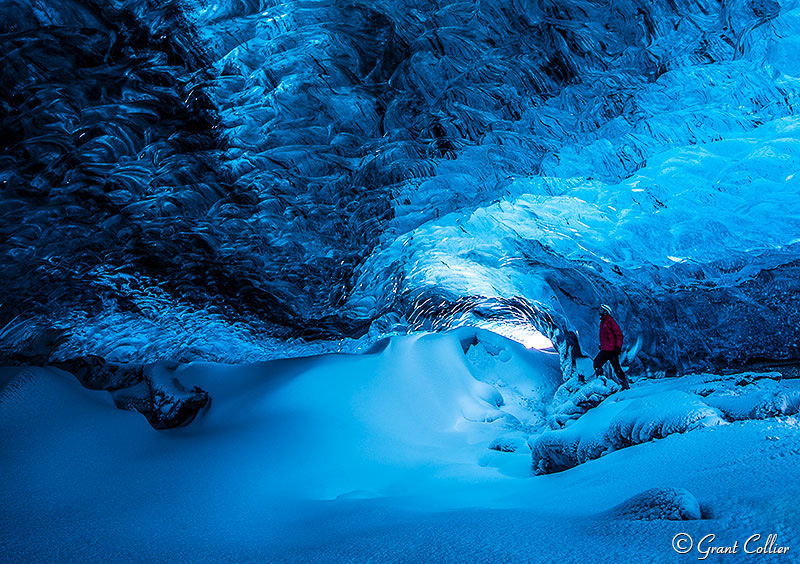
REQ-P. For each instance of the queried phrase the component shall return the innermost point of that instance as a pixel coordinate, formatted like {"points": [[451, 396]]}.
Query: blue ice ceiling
{"points": [[227, 181]]}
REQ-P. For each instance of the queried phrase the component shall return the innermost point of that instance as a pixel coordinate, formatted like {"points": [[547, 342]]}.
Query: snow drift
{"points": [[409, 453], [330, 426]]}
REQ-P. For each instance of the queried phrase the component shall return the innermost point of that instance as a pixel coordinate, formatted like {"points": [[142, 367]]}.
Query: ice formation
{"points": [[232, 181]]}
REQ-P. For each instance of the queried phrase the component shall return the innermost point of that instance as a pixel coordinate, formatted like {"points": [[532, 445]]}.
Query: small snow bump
{"points": [[507, 444], [671, 504]]}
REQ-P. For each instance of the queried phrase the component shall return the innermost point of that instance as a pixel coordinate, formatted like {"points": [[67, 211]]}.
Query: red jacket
{"points": [[610, 334]]}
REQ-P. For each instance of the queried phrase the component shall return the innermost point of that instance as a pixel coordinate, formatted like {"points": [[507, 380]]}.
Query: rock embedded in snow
{"points": [[509, 443], [672, 504], [151, 389], [164, 405]]}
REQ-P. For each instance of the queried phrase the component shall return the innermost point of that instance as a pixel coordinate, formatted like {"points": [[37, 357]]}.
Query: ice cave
{"points": [[420, 281]]}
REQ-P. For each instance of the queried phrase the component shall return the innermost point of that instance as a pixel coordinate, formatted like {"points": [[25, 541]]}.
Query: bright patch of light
{"points": [[526, 335]]}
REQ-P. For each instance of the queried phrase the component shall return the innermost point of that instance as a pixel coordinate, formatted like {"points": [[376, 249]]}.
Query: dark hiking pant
{"points": [[605, 356]]}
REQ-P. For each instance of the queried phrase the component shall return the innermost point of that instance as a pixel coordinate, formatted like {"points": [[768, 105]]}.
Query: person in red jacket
{"points": [[610, 346]]}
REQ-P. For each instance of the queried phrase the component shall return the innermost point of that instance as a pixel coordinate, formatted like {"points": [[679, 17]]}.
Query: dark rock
{"points": [[152, 389]]}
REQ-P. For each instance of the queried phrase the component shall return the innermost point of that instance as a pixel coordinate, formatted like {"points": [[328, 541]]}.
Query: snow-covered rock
{"points": [[575, 397], [151, 389], [653, 410], [753, 396], [618, 423], [672, 504]]}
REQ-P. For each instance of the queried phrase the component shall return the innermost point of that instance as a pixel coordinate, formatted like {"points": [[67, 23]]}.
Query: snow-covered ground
{"points": [[415, 452]]}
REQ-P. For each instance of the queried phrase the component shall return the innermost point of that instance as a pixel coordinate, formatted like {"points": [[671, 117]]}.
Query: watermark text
{"points": [[683, 543]]}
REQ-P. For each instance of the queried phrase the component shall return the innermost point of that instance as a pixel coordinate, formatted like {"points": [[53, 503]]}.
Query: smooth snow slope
{"points": [[380, 457]]}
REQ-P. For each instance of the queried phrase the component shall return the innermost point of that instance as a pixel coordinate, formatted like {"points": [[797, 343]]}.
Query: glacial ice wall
{"points": [[223, 181]]}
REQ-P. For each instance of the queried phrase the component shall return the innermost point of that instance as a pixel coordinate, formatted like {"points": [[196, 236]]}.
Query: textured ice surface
{"points": [[219, 181]]}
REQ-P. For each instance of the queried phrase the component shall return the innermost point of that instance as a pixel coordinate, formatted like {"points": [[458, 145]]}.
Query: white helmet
{"points": [[606, 308]]}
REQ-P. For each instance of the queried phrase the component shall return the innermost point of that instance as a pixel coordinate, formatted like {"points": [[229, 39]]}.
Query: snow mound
{"points": [[524, 380], [463, 399], [618, 423], [672, 504], [653, 410]]}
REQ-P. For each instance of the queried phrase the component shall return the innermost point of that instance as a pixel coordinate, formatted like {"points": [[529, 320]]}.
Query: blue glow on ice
{"points": [[232, 181]]}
